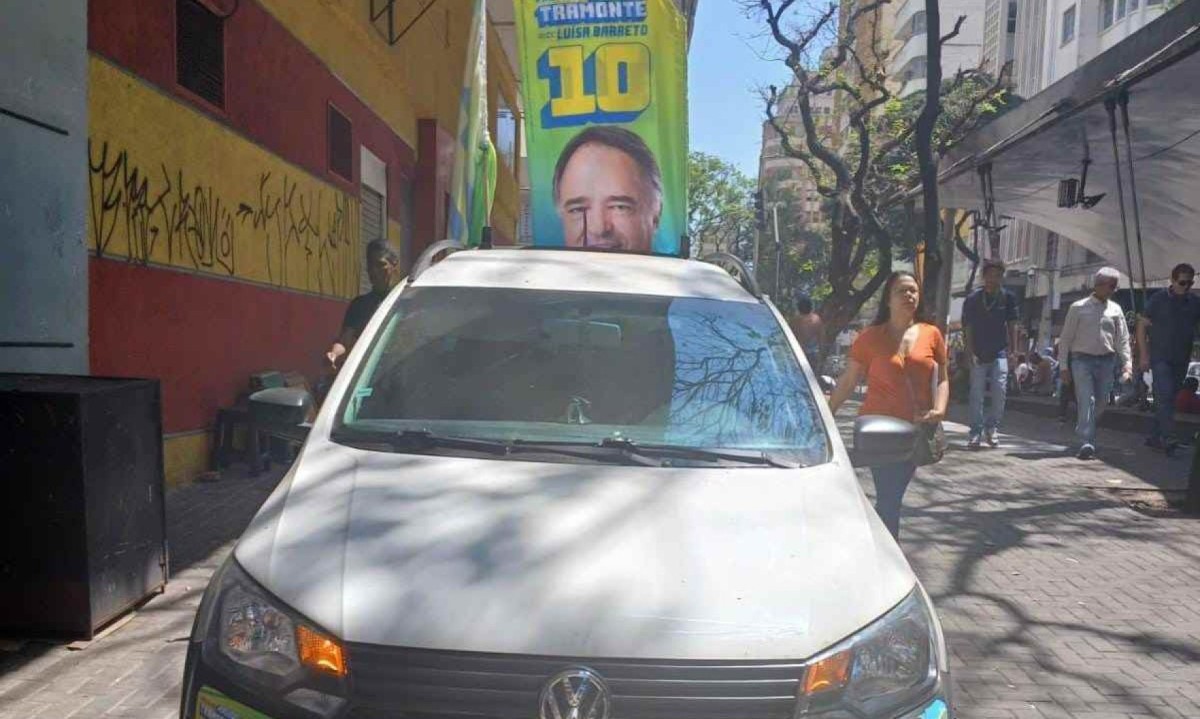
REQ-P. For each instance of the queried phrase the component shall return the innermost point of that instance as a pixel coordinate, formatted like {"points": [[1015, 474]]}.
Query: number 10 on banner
{"points": [[612, 85]]}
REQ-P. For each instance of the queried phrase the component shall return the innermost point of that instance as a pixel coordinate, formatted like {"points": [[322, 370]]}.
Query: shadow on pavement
{"points": [[1055, 597], [1043, 439], [202, 518]]}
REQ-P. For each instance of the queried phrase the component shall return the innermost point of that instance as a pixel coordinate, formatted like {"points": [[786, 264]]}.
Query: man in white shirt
{"points": [[1095, 339]]}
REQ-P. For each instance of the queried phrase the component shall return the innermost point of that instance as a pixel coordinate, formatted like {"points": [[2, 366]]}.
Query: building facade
{"points": [[786, 178], [233, 159], [187, 186], [999, 34], [907, 59]]}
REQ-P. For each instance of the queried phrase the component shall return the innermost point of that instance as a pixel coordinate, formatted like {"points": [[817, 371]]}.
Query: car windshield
{"points": [[538, 366]]}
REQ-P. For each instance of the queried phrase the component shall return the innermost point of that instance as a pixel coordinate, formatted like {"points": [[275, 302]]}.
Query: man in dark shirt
{"points": [[382, 262], [989, 320], [1170, 316]]}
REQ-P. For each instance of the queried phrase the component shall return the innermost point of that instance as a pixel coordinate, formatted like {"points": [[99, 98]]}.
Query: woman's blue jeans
{"points": [[891, 481]]}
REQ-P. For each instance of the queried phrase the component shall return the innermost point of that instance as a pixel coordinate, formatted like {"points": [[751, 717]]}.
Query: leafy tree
{"points": [[869, 171], [720, 205]]}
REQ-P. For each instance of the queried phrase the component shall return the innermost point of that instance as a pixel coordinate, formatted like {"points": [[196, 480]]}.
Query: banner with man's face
{"points": [[605, 89]]}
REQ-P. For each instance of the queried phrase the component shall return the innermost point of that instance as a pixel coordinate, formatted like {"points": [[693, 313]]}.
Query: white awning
{"points": [[1045, 140]]}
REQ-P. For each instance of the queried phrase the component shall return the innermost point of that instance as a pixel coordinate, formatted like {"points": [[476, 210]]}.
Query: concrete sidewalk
{"points": [[136, 670], [1057, 599]]}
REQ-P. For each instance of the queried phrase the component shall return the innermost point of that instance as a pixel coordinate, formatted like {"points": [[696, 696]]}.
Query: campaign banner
{"points": [[605, 89]]}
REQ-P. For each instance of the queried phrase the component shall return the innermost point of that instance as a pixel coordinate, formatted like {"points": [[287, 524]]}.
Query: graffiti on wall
{"points": [[292, 221], [304, 233]]}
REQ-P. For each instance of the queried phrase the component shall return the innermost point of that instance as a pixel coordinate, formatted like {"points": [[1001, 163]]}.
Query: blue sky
{"points": [[725, 68]]}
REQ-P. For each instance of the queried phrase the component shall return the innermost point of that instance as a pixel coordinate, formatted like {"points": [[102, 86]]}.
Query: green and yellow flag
{"points": [[473, 182]]}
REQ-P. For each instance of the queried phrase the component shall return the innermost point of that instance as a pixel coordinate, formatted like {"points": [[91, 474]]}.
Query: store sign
{"points": [[605, 89]]}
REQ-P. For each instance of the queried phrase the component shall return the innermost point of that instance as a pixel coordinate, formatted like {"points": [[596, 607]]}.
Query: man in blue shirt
{"points": [[1171, 316], [989, 321]]}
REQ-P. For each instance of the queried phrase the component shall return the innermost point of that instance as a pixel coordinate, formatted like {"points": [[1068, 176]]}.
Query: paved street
{"points": [[1058, 600]]}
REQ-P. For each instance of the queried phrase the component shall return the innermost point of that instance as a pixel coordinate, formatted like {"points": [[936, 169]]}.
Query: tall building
{"points": [[999, 34], [1078, 30], [908, 56], [784, 176], [1030, 43]]}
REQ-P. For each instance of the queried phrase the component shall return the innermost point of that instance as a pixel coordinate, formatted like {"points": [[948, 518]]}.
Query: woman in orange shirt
{"points": [[899, 355]]}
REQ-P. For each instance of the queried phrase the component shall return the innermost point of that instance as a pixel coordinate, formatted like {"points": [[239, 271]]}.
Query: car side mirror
{"points": [[880, 440]]}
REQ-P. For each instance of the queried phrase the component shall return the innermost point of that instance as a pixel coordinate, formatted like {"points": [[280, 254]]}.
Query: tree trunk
{"points": [[926, 161]]}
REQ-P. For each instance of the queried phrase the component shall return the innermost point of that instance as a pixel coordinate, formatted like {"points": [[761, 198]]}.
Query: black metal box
{"points": [[83, 537]]}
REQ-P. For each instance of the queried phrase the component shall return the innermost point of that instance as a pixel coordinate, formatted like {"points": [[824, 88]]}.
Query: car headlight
{"points": [[253, 633], [261, 644], [888, 668]]}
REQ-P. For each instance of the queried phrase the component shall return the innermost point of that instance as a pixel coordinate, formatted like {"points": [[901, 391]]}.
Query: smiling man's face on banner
{"points": [[605, 88], [608, 191]]}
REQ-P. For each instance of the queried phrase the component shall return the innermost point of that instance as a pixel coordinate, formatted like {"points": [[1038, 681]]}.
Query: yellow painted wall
{"points": [[417, 78], [184, 457], [170, 186], [167, 185]]}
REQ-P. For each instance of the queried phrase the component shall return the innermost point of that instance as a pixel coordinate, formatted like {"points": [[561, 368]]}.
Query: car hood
{"points": [[574, 560]]}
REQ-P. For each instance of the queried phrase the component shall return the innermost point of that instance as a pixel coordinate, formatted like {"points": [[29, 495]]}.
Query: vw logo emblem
{"points": [[575, 694]]}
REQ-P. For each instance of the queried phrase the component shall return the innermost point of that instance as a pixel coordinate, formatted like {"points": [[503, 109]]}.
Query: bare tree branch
{"points": [[953, 33], [785, 141]]}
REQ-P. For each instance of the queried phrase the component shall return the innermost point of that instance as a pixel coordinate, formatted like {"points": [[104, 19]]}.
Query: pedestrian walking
{"points": [[382, 262], [989, 321], [1095, 340], [807, 326], [1170, 317], [904, 359]]}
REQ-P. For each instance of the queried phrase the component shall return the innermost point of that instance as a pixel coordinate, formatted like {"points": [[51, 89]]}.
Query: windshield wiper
{"points": [[659, 455], [745, 456], [422, 440], [609, 449], [418, 440]]}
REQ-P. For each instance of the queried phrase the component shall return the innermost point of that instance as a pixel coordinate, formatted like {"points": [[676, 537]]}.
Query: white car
{"points": [[572, 485]]}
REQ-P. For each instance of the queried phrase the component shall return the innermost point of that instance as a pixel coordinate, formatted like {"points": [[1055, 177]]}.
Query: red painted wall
{"points": [[276, 90], [434, 163], [202, 337]]}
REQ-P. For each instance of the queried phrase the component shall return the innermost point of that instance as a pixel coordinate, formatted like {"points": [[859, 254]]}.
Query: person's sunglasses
{"points": [[1185, 283]]}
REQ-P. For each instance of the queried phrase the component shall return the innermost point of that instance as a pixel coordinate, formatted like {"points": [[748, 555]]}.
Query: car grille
{"points": [[392, 683]]}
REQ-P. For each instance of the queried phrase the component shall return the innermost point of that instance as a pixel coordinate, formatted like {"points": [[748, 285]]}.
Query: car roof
{"points": [[584, 271]]}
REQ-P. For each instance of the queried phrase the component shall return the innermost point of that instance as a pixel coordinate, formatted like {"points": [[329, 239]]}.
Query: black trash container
{"points": [[83, 538]]}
